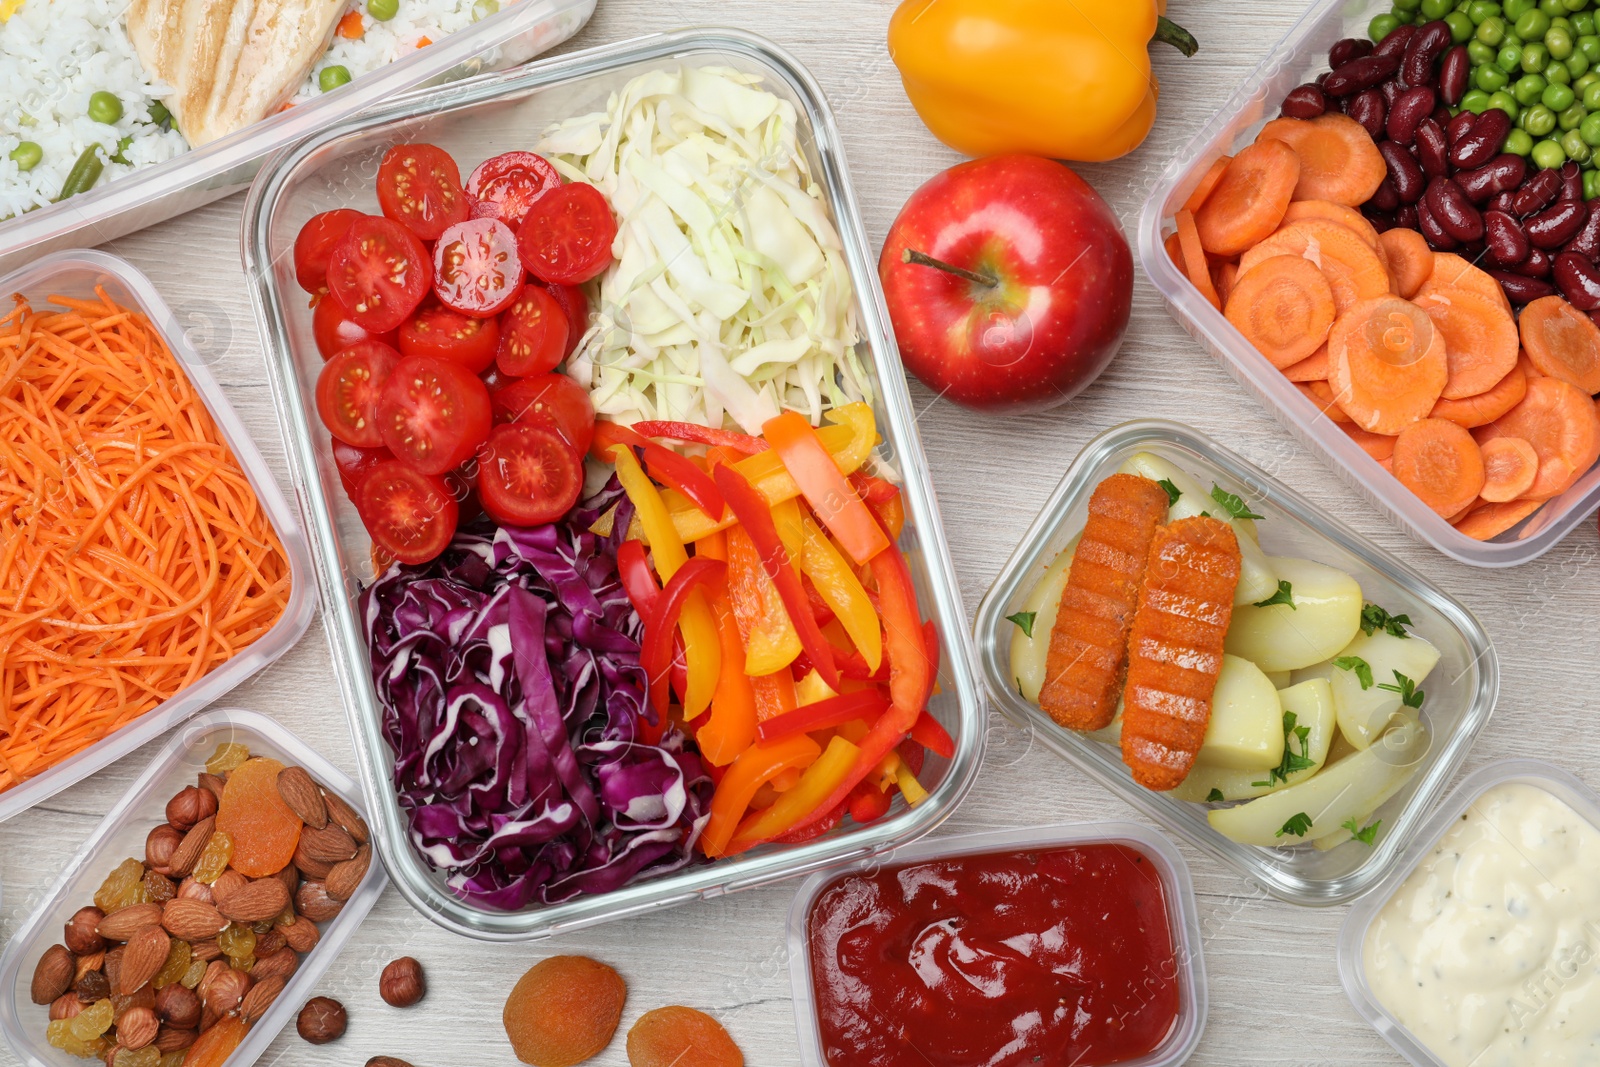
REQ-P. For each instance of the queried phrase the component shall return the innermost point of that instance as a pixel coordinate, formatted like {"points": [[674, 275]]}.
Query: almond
{"points": [[302, 935], [260, 998], [192, 920], [147, 953], [94, 961], [137, 1028], [290, 878], [227, 882], [169, 1039], [123, 923], [279, 964], [255, 901], [345, 878], [345, 816], [329, 844], [300, 791], [53, 975], [316, 870], [213, 784], [270, 942], [188, 851], [207, 950]]}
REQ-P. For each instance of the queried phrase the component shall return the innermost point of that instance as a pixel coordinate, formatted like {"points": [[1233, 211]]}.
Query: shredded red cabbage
{"points": [[508, 673]]}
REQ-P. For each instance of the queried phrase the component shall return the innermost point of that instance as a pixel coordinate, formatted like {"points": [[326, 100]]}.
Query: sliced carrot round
{"points": [[1314, 368], [1386, 364], [1352, 268], [1174, 249], [1249, 201], [1284, 307], [1194, 258], [1509, 467], [1484, 408], [1340, 213], [1410, 259], [1491, 520], [1208, 182], [1560, 422], [1223, 274], [1338, 160], [1480, 339], [1441, 463], [1450, 269], [1321, 394], [1562, 342], [1380, 446], [1527, 366]]}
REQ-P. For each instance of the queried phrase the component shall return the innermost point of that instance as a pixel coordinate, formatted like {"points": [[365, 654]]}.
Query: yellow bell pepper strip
{"points": [[661, 628], [836, 583], [732, 727], [770, 640], [754, 767], [1041, 77], [863, 435], [831, 497], [824, 715], [755, 516], [910, 788], [787, 518], [806, 802], [702, 650], [664, 465]]}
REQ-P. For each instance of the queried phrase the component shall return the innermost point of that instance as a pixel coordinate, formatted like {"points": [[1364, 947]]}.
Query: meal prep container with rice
{"points": [[122, 834], [1461, 690], [76, 274], [1299, 56], [196, 177], [509, 111]]}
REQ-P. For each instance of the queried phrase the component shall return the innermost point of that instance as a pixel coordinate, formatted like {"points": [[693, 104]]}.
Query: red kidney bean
{"points": [[1408, 180], [1391, 90], [1452, 210], [1472, 250], [1555, 226], [1386, 197], [1367, 107], [1382, 221], [1571, 182], [1501, 174], [1425, 46], [1502, 202], [1587, 242], [1578, 280], [1458, 127], [1407, 110], [1350, 48], [1520, 289], [1394, 44], [1321, 78], [1305, 102], [1536, 192], [1359, 74], [1432, 153], [1483, 142], [1441, 115], [1406, 217], [1453, 72], [1506, 242], [1537, 265], [1437, 239]]}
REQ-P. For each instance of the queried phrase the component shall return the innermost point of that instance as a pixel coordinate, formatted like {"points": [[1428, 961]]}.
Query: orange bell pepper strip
{"points": [[775, 695], [806, 802], [831, 497], [732, 727], [770, 640], [836, 583], [754, 767]]}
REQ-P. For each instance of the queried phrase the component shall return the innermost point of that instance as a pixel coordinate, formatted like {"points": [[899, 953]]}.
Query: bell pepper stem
{"points": [[1176, 36], [922, 259]]}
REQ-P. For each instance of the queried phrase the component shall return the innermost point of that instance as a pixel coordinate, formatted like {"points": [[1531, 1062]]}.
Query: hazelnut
{"points": [[121, 1004], [302, 935], [311, 901], [66, 1006], [159, 846], [191, 805], [322, 1020], [53, 975], [402, 983], [178, 1007], [269, 941], [80, 936], [223, 987], [386, 1061], [189, 889], [137, 1028]]}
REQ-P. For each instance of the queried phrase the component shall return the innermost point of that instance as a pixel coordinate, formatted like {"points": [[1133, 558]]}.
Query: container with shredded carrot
{"points": [[134, 555]]}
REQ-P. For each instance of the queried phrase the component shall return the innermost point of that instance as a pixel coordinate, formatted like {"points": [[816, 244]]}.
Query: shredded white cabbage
{"points": [[729, 299]]}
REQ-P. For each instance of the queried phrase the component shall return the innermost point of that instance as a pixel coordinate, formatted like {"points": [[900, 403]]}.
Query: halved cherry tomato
{"points": [[419, 185], [336, 331], [463, 485], [410, 515], [534, 338], [566, 238], [506, 186], [575, 303], [354, 464], [475, 267], [349, 389], [379, 272], [551, 400], [315, 243], [527, 475], [433, 413], [442, 333]]}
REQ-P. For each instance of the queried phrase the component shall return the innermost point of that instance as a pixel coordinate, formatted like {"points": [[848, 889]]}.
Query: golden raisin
{"points": [[94, 1020], [677, 1035], [265, 829], [228, 756], [237, 941], [214, 858], [114, 891], [177, 963], [148, 1056], [192, 976], [564, 1011], [59, 1034], [172, 1059]]}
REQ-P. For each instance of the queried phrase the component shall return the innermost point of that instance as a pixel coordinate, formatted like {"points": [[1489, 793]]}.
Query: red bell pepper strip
{"points": [[664, 465], [928, 733], [873, 490], [753, 512], [831, 497], [814, 831], [867, 803], [701, 435], [913, 755], [633, 567], [824, 714], [819, 607], [661, 627]]}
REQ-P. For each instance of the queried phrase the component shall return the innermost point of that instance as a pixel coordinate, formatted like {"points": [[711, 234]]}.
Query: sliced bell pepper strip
{"points": [[863, 435], [637, 578], [755, 516], [885, 500], [807, 802], [701, 435], [664, 465], [910, 788], [824, 714], [756, 766], [831, 497], [787, 519], [732, 726], [819, 607], [714, 545], [843, 592], [695, 576], [809, 688], [814, 830], [867, 803], [931, 735], [774, 694], [770, 640]]}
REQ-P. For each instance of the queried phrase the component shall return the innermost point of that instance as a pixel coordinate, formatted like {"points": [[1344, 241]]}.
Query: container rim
{"points": [[696, 882]]}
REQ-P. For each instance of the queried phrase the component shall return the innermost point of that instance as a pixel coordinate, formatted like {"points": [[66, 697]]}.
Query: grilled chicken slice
{"points": [[1176, 646], [1089, 642], [230, 62]]}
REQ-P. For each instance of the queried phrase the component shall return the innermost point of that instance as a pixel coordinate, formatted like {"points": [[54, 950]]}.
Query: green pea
{"points": [[1461, 27], [1490, 79], [1515, 9], [1572, 144], [1589, 45], [1480, 53], [1561, 22], [1557, 97], [1589, 130], [1435, 9], [27, 155], [1528, 89], [1557, 74], [1509, 58], [1577, 64], [1380, 27], [84, 173], [1581, 84], [1492, 30], [1534, 58], [1548, 155], [1480, 10], [484, 8], [1552, 7], [1574, 6], [333, 77], [1505, 102], [1409, 6], [1518, 143], [1537, 120], [159, 115], [1591, 184], [384, 10], [1475, 101], [1583, 23], [1558, 42], [105, 107], [1533, 25]]}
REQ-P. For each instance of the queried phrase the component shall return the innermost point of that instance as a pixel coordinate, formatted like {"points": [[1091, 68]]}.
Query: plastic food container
{"points": [[77, 274], [1182, 917], [1461, 691], [122, 834], [508, 111], [1353, 934], [1298, 57], [516, 34]]}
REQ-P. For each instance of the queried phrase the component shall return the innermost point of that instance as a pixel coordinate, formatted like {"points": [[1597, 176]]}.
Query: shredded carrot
{"points": [[423, 42], [134, 556]]}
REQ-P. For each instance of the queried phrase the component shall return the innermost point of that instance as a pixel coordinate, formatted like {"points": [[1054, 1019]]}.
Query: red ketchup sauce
{"points": [[1051, 956]]}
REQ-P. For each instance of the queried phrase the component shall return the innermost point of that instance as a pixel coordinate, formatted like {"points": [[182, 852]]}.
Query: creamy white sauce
{"points": [[1489, 952]]}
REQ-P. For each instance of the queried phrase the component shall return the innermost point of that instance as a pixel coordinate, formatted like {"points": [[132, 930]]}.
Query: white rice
{"points": [[384, 42]]}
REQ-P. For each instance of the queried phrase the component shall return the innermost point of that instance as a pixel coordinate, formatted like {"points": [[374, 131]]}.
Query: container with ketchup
{"points": [[1062, 945]]}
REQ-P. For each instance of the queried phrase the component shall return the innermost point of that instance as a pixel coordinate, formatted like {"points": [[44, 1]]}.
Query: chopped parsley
{"points": [[1173, 492], [1024, 621], [1297, 825], [1232, 504], [1214, 796], [1362, 668], [1284, 595], [1410, 695], [1365, 834], [1374, 618], [1291, 761]]}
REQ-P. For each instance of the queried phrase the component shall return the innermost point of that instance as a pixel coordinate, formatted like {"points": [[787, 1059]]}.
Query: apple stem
{"points": [[922, 259], [1175, 35]]}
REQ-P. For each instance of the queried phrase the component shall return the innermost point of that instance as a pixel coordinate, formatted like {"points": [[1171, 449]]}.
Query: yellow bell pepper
{"points": [[1069, 80], [843, 592], [817, 783]]}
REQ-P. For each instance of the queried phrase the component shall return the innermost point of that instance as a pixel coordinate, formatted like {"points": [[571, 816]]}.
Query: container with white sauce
{"points": [[1482, 946]]}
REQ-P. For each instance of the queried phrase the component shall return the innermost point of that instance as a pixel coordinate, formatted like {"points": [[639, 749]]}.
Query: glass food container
{"points": [[1461, 690], [508, 111]]}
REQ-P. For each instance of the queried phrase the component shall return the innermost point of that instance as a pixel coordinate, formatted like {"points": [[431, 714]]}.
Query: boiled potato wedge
{"points": [[1325, 615], [1312, 705], [1028, 654], [1246, 728], [1363, 713]]}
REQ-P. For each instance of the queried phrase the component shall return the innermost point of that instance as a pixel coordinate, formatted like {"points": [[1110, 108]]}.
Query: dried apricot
{"points": [[564, 1010], [216, 1044], [265, 830], [671, 1037]]}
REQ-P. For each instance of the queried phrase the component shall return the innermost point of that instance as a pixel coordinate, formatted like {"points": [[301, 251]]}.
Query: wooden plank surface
{"points": [[1274, 990]]}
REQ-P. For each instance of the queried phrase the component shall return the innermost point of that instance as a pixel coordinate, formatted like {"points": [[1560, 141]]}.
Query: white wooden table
{"points": [[1275, 995]]}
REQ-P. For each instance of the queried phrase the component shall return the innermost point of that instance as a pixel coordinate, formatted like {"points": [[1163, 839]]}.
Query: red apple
{"points": [[1009, 283]]}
